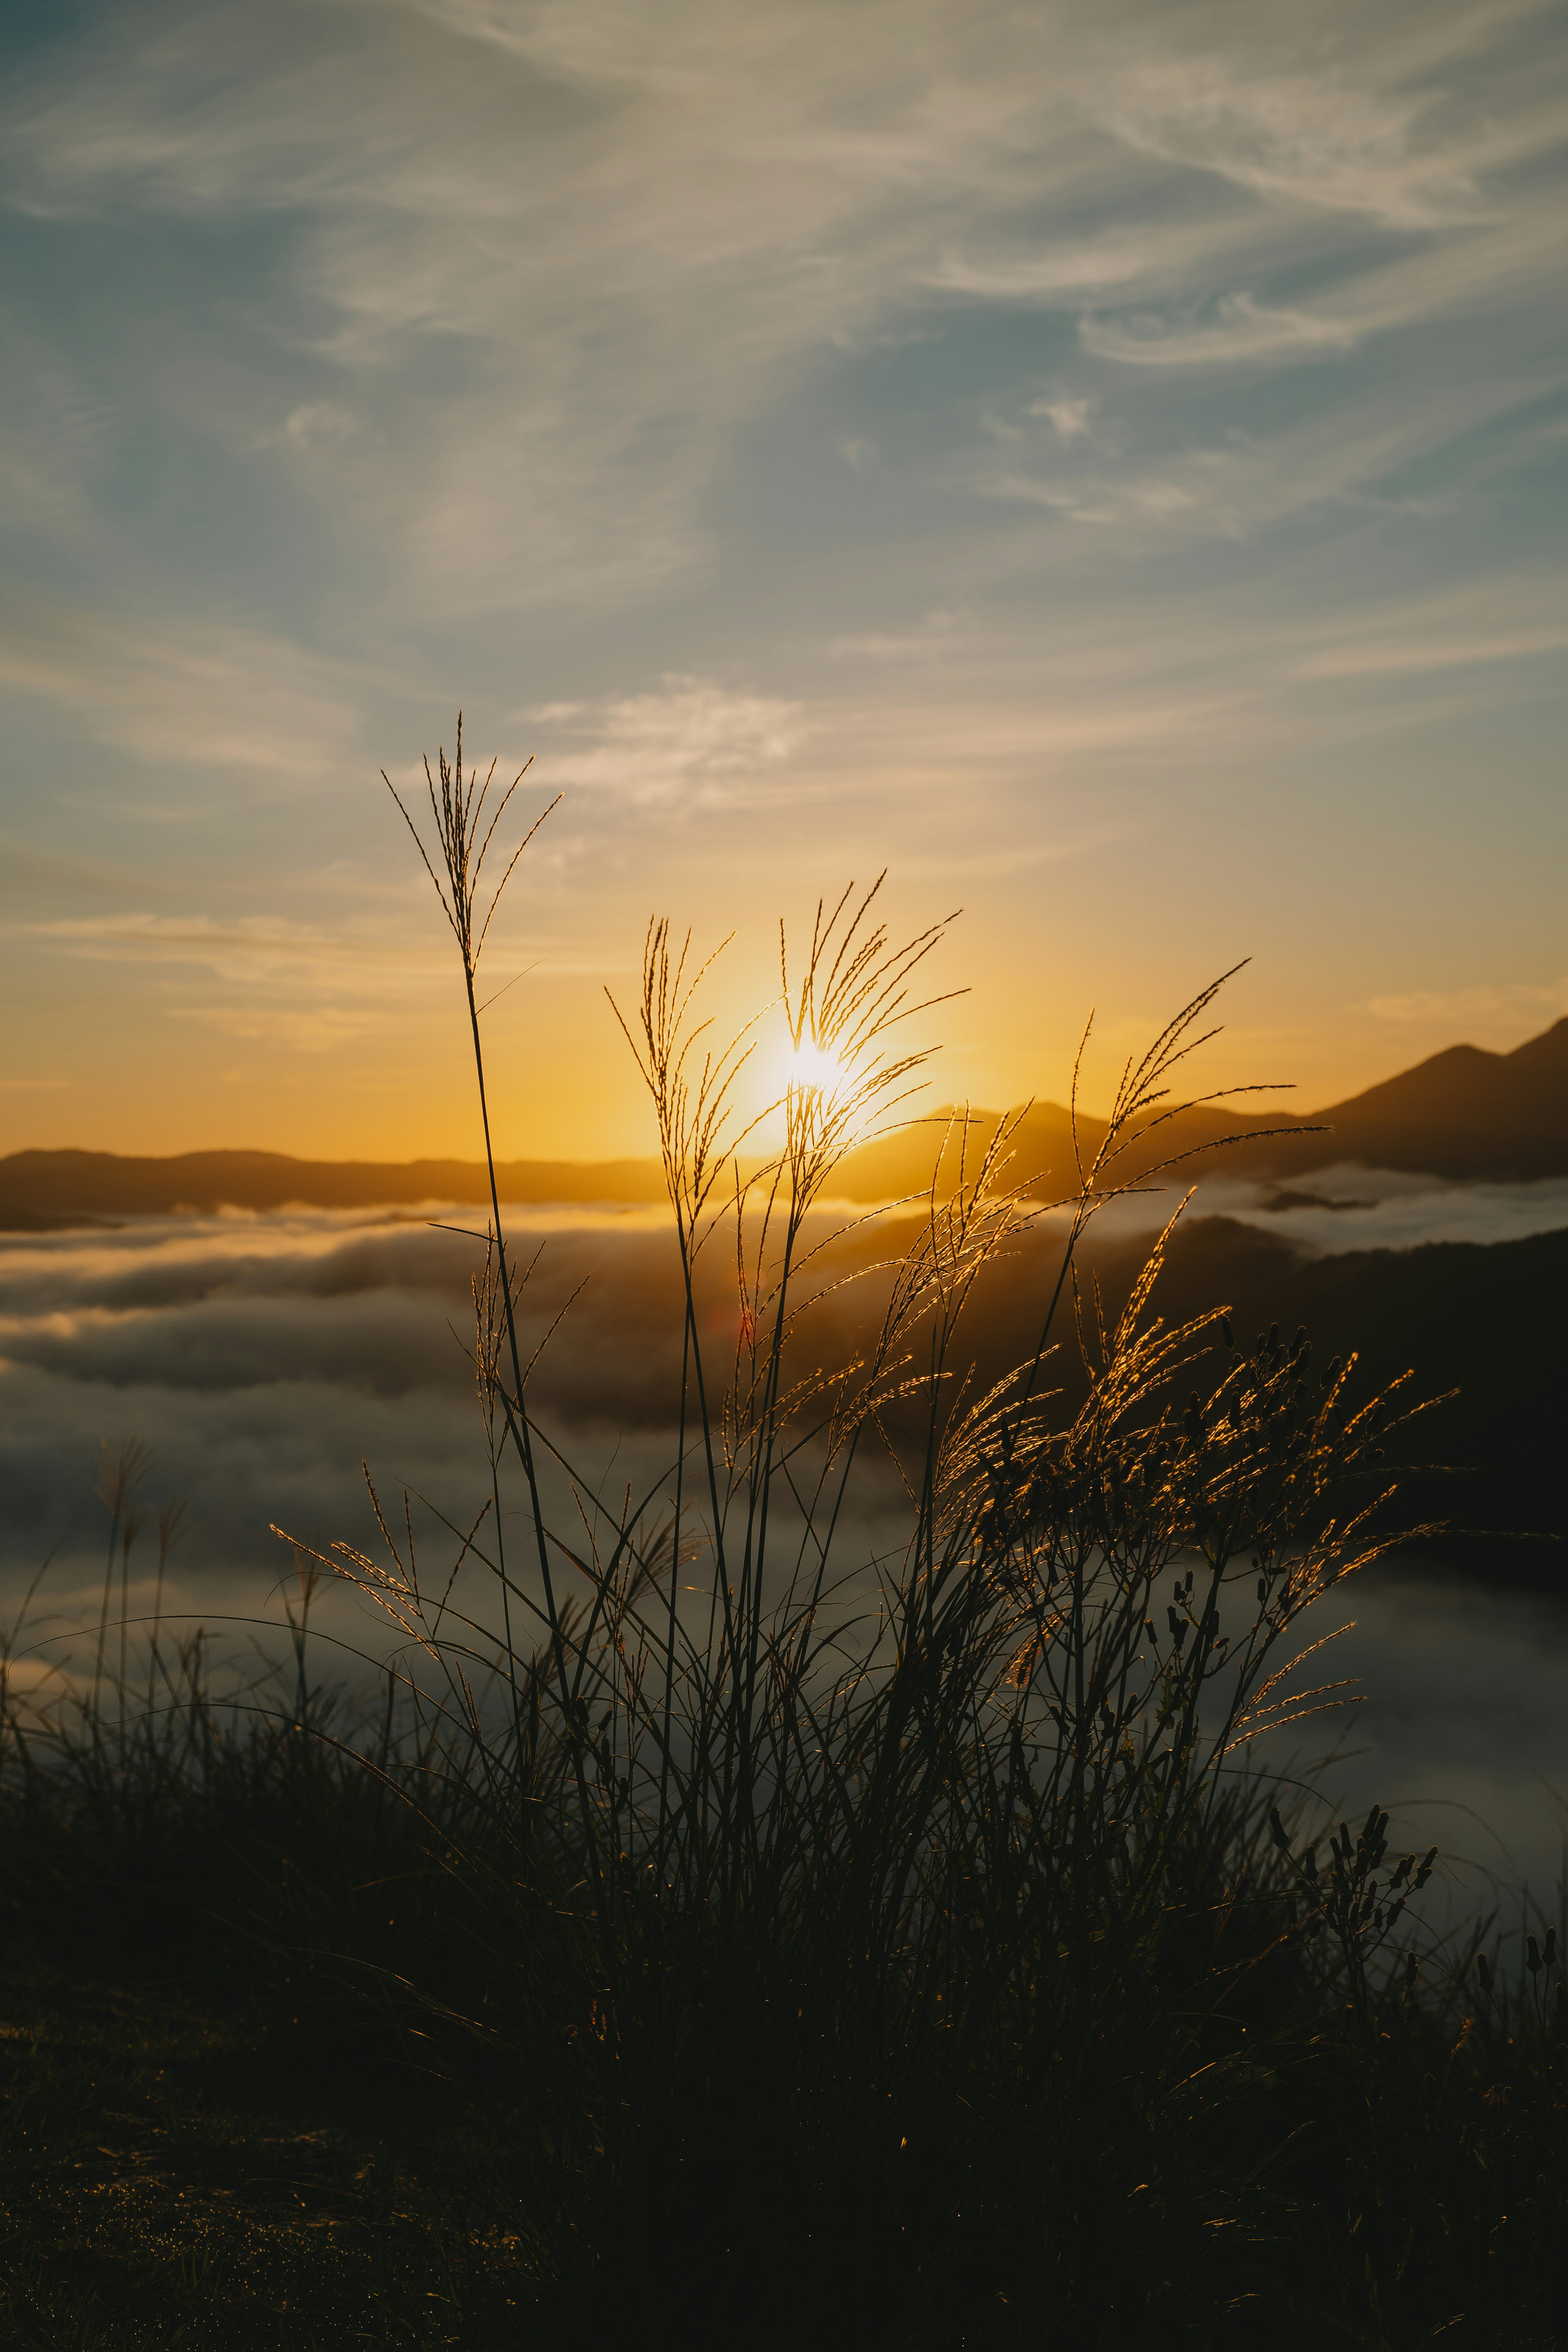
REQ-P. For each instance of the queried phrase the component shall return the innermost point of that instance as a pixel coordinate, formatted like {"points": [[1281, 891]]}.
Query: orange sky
{"points": [[385, 1072], [1105, 466]]}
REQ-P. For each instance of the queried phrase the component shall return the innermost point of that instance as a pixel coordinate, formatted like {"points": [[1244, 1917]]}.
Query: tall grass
{"points": [[942, 1867], [909, 1947]]}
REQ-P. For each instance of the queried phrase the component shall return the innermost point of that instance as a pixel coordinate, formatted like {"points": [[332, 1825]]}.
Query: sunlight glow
{"points": [[812, 1067], [788, 1073]]}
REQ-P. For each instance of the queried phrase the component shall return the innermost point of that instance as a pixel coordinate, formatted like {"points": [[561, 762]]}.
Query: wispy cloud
{"points": [[935, 638], [1070, 417], [1245, 483], [322, 1030], [1491, 1005], [248, 950], [981, 410], [1242, 331], [691, 744], [318, 424], [1324, 140], [1386, 655], [1055, 273], [196, 695], [738, 193]]}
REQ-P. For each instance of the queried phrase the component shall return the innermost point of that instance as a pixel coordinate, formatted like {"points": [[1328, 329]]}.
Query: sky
{"points": [[1103, 464]]}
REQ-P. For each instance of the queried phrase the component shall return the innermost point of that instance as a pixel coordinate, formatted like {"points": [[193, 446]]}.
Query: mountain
{"points": [[1463, 1114], [43, 1189], [1041, 1148]]}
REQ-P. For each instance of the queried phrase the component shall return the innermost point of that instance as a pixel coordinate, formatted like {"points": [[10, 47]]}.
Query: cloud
{"points": [[503, 350], [1387, 654], [1462, 1727], [1464, 1686], [304, 988], [295, 987], [1243, 483], [1325, 140], [265, 1355], [316, 422], [1373, 1208], [1487, 1005], [249, 950], [614, 247], [55, 427], [1061, 273], [321, 1031], [1480, 272], [1109, 503], [1070, 417], [927, 643], [692, 744], [1243, 331], [192, 694]]}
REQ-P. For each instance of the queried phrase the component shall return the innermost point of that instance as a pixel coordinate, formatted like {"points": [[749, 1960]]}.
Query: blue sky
{"points": [[1104, 464]]}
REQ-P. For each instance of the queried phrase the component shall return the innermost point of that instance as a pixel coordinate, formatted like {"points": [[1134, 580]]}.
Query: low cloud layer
{"points": [[1457, 1727], [1352, 1208], [263, 1358]]}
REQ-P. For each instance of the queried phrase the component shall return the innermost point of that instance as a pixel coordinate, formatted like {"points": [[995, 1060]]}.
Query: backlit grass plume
{"points": [[908, 1822], [843, 1861]]}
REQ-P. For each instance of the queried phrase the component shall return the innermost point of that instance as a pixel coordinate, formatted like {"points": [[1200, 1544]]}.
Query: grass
{"points": [[715, 1936]]}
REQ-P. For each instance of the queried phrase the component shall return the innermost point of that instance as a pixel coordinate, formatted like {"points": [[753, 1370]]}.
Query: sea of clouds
{"points": [[265, 1357], [1353, 1208], [267, 1360]]}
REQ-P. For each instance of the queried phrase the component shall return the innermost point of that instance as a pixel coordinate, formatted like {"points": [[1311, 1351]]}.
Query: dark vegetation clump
{"points": [[711, 1936]]}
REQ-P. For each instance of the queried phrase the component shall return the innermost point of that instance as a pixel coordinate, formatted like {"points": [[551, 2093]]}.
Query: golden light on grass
{"points": [[810, 1068], [796, 1077]]}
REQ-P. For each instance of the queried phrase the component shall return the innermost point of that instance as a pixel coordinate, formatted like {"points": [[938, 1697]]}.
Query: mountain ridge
{"points": [[1464, 1114]]}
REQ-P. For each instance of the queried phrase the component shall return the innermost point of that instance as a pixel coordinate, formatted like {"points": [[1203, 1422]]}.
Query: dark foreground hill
{"points": [[1464, 1114], [1484, 1328]]}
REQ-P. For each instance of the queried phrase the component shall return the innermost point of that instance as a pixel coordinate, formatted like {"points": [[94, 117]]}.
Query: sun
{"points": [[808, 1076], [812, 1068]]}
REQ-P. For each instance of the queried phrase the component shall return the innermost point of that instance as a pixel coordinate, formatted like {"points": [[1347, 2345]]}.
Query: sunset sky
{"points": [[1103, 463]]}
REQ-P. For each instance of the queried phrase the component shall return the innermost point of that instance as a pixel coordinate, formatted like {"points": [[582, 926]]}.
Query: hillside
{"points": [[1481, 1327], [1464, 1114]]}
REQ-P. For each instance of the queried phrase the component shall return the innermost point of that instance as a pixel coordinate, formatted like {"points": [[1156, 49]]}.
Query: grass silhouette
{"points": [[716, 1934]]}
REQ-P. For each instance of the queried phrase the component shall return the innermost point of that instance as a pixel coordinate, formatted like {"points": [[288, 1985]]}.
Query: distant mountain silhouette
{"points": [[1463, 1114], [44, 1189]]}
